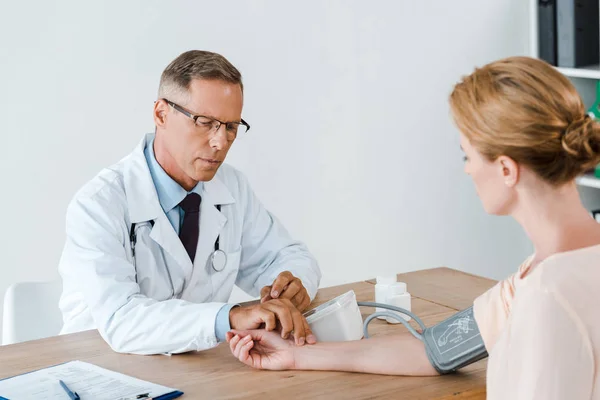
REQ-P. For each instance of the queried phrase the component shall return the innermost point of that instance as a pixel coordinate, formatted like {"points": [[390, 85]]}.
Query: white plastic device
{"points": [[399, 297], [337, 320], [381, 291]]}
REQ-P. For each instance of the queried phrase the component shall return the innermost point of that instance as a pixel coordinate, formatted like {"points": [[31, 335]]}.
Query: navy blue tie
{"points": [[190, 228]]}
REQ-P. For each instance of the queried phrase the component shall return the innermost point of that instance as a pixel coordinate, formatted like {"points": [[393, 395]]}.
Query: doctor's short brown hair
{"points": [[195, 64]]}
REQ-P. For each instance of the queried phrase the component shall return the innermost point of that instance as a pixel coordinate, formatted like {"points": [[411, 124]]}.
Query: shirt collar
{"points": [[170, 193]]}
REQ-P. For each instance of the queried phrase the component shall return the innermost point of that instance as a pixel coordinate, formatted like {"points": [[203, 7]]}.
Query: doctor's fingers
{"points": [[291, 320], [280, 283], [292, 289], [283, 313], [265, 294], [302, 332], [305, 337], [301, 300], [267, 316]]}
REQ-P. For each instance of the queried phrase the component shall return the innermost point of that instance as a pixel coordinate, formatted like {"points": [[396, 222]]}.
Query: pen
{"points": [[72, 395], [144, 396]]}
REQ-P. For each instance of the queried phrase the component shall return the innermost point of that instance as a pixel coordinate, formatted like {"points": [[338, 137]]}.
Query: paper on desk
{"points": [[88, 380]]}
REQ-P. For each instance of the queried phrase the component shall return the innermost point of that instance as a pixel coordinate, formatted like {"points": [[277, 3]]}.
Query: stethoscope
{"points": [[217, 259]]}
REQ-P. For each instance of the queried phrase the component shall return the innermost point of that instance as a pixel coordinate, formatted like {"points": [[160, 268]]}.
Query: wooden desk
{"points": [[215, 374], [449, 287]]}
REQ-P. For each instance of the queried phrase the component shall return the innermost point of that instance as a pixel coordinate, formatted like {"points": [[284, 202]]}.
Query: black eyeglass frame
{"points": [[194, 117]]}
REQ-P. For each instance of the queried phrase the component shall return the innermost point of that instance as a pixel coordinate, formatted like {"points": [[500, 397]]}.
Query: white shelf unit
{"points": [[589, 180], [585, 80], [590, 72]]}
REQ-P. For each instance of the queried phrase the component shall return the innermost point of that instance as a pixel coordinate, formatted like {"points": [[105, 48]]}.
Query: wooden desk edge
{"points": [[373, 280]]}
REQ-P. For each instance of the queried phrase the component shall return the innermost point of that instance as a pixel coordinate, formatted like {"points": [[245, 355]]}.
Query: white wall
{"points": [[351, 142]]}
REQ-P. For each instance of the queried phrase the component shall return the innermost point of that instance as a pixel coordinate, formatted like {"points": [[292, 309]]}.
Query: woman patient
{"points": [[526, 137]]}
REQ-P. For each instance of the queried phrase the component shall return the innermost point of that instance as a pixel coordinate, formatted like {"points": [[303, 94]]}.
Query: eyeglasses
{"points": [[211, 125]]}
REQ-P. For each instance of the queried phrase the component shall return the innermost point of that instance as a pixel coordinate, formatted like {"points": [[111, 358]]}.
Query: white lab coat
{"points": [[137, 309]]}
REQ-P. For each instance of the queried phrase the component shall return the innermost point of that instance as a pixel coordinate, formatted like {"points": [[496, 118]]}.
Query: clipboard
{"points": [[88, 380]]}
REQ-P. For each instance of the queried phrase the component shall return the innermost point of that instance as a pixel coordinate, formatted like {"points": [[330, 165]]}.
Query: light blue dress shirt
{"points": [[170, 194]]}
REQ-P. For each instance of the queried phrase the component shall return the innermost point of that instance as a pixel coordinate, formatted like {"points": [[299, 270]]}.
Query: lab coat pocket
{"points": [[152, 273]]}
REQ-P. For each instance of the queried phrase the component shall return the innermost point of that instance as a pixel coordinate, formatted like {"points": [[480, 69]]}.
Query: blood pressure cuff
{"points": [[454, 343]]}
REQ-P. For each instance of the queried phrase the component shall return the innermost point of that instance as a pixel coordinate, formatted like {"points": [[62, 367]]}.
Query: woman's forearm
{"points": [[390, 355]]}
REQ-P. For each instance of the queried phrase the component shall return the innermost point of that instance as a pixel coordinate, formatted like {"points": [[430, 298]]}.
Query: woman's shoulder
{"points": [[567, 272], [571, 280]]}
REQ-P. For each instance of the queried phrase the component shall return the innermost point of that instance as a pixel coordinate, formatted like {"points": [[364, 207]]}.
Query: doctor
{"points": [[156, 242]]}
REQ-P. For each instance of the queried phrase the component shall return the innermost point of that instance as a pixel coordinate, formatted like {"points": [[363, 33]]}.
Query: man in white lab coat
{"points": [[156, 242]]}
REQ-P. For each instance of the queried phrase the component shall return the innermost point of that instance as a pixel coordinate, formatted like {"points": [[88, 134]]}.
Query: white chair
{"points": [[31, 311]]}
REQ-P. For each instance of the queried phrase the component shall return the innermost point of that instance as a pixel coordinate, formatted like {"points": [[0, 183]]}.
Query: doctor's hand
{"points": [[287, 286], [277, 314], [262, 349]]}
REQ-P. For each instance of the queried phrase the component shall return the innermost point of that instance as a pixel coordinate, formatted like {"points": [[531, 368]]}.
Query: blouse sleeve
{"points": [[492, 309]]}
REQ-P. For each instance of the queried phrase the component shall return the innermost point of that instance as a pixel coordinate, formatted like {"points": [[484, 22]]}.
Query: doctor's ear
{"points": [[161, 109], [509, 169]]}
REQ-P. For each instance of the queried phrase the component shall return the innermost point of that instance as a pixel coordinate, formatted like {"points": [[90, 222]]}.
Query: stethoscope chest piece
{"points": [[218, 260]]}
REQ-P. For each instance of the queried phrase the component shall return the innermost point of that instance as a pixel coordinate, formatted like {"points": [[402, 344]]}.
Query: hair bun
{"points": [[581, 141]]}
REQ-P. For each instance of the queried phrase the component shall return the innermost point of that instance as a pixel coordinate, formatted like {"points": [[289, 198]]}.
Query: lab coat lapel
{"points": [[166, 237], [144, 205]]}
